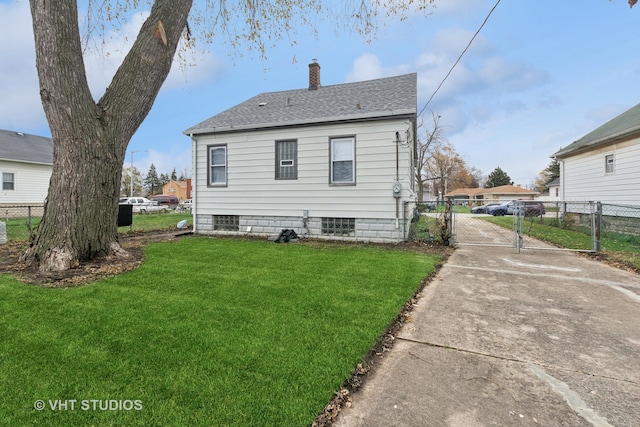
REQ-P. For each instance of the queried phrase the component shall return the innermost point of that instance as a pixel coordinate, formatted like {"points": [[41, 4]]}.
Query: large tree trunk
{"points": [[90, 139]]}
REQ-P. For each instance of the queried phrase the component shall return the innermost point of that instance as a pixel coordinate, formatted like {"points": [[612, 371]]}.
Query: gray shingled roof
{"points": [[23, 147], [384, 97], [625, 125]]}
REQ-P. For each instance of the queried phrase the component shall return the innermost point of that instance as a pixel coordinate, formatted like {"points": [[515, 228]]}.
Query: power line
{"points": [[459, 58]]}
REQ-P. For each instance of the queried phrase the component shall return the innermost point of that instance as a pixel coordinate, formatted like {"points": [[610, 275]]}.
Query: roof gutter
{"points": [[309, 122], [26, 161]]}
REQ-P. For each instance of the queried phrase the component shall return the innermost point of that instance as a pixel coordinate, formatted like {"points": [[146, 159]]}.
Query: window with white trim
{"points": [[609, 163], [287, 159], [343, 160], [217, 165], [8, 181]]}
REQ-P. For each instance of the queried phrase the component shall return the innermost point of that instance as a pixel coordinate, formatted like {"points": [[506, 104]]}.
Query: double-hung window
{"points": [[343, 160], [609, 163], [287, 159], [217, 165], [8, 181]]}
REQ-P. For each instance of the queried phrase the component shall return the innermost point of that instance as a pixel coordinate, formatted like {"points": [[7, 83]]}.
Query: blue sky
{"points": [[540, 75]]}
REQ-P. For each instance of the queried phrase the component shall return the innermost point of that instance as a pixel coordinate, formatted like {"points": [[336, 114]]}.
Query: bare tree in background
{"points": [[433, 135], [446, 168]]}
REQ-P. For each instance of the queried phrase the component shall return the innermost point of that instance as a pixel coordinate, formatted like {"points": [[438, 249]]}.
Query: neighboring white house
{"points": [[604, 165], [554, 192], [26, 163], [326, 161]]}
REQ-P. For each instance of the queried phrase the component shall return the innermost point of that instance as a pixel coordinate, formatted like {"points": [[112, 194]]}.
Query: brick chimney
{"points": [[314, 75]]}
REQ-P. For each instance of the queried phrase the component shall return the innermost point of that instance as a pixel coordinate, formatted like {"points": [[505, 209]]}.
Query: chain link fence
{"points": [[580, 225], [20, 222]]}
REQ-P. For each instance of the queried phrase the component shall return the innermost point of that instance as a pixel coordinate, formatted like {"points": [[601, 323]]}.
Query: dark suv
{"points": [[531, 208], [164, 200]]}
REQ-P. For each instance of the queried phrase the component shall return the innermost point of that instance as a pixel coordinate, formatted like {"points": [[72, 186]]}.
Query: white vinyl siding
{"points": [[582, 176], [253, 190], [30, 182]]}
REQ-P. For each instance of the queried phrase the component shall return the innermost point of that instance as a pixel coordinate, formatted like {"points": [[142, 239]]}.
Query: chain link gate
{"points": [[522, 222]]}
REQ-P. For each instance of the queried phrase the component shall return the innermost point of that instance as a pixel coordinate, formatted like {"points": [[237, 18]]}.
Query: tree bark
{"points": [[90, 139]]}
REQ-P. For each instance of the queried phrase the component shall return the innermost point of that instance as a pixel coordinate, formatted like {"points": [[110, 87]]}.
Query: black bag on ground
{"points": [[286, 236]]}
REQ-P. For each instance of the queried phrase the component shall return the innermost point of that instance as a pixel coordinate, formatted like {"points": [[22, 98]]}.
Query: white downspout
{"points": [[194, 173]]}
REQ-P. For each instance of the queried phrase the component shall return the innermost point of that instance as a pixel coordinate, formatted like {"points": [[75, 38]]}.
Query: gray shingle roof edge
{"points": [[25, 148], [626, 125], [364, 100]]}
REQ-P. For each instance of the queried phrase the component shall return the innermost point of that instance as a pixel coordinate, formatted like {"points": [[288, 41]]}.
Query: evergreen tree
{"points": [[174, 176], [164, 179], [151, 181], [551, 172], [497, 178]]}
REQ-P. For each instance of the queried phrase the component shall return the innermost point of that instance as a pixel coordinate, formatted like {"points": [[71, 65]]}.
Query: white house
{"points": [[604, 165], [554, 192], [330, 162], [26, 163]]}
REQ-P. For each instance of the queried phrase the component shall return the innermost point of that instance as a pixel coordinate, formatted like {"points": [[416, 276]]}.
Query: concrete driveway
{"points": [[501, 338]]}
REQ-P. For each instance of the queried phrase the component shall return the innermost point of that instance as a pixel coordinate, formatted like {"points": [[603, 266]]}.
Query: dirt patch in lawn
{"points": [[85, 272]]}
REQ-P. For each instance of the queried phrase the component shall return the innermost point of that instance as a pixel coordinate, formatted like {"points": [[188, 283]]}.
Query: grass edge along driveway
{"points": [[206, 332]]}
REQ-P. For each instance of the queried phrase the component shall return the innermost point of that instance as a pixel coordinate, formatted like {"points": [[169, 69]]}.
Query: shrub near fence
{"points": [[21, 221]]}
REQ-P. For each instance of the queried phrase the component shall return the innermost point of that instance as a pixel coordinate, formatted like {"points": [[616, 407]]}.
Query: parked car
{"points": [[170, 202], [531, 208], [499, 209], [142, 205], [483, 208]]}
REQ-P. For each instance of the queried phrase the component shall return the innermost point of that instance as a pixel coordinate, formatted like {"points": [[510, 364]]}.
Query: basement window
{"points": [[226, 222], [339, 226]]}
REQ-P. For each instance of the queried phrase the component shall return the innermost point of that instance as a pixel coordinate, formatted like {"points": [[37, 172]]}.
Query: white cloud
{"points": [[368, 67], [164, 162]]}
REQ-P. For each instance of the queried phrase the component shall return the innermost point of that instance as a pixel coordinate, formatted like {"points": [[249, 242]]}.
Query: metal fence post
{"points": [[448, 215], [598, 227], [29, 222]]}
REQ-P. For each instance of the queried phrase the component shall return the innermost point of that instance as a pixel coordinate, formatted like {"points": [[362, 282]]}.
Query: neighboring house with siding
{"points": [[330, 162], [553, 195], [604, 165], [26, 163]]}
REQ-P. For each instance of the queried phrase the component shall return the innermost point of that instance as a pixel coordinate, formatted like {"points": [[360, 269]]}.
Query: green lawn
{"points": [[206, 332], [18, 228], [616, 248], [156, 221]]}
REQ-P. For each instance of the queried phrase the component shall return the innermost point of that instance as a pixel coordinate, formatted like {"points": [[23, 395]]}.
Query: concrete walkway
{"points": [[501, 338]]}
